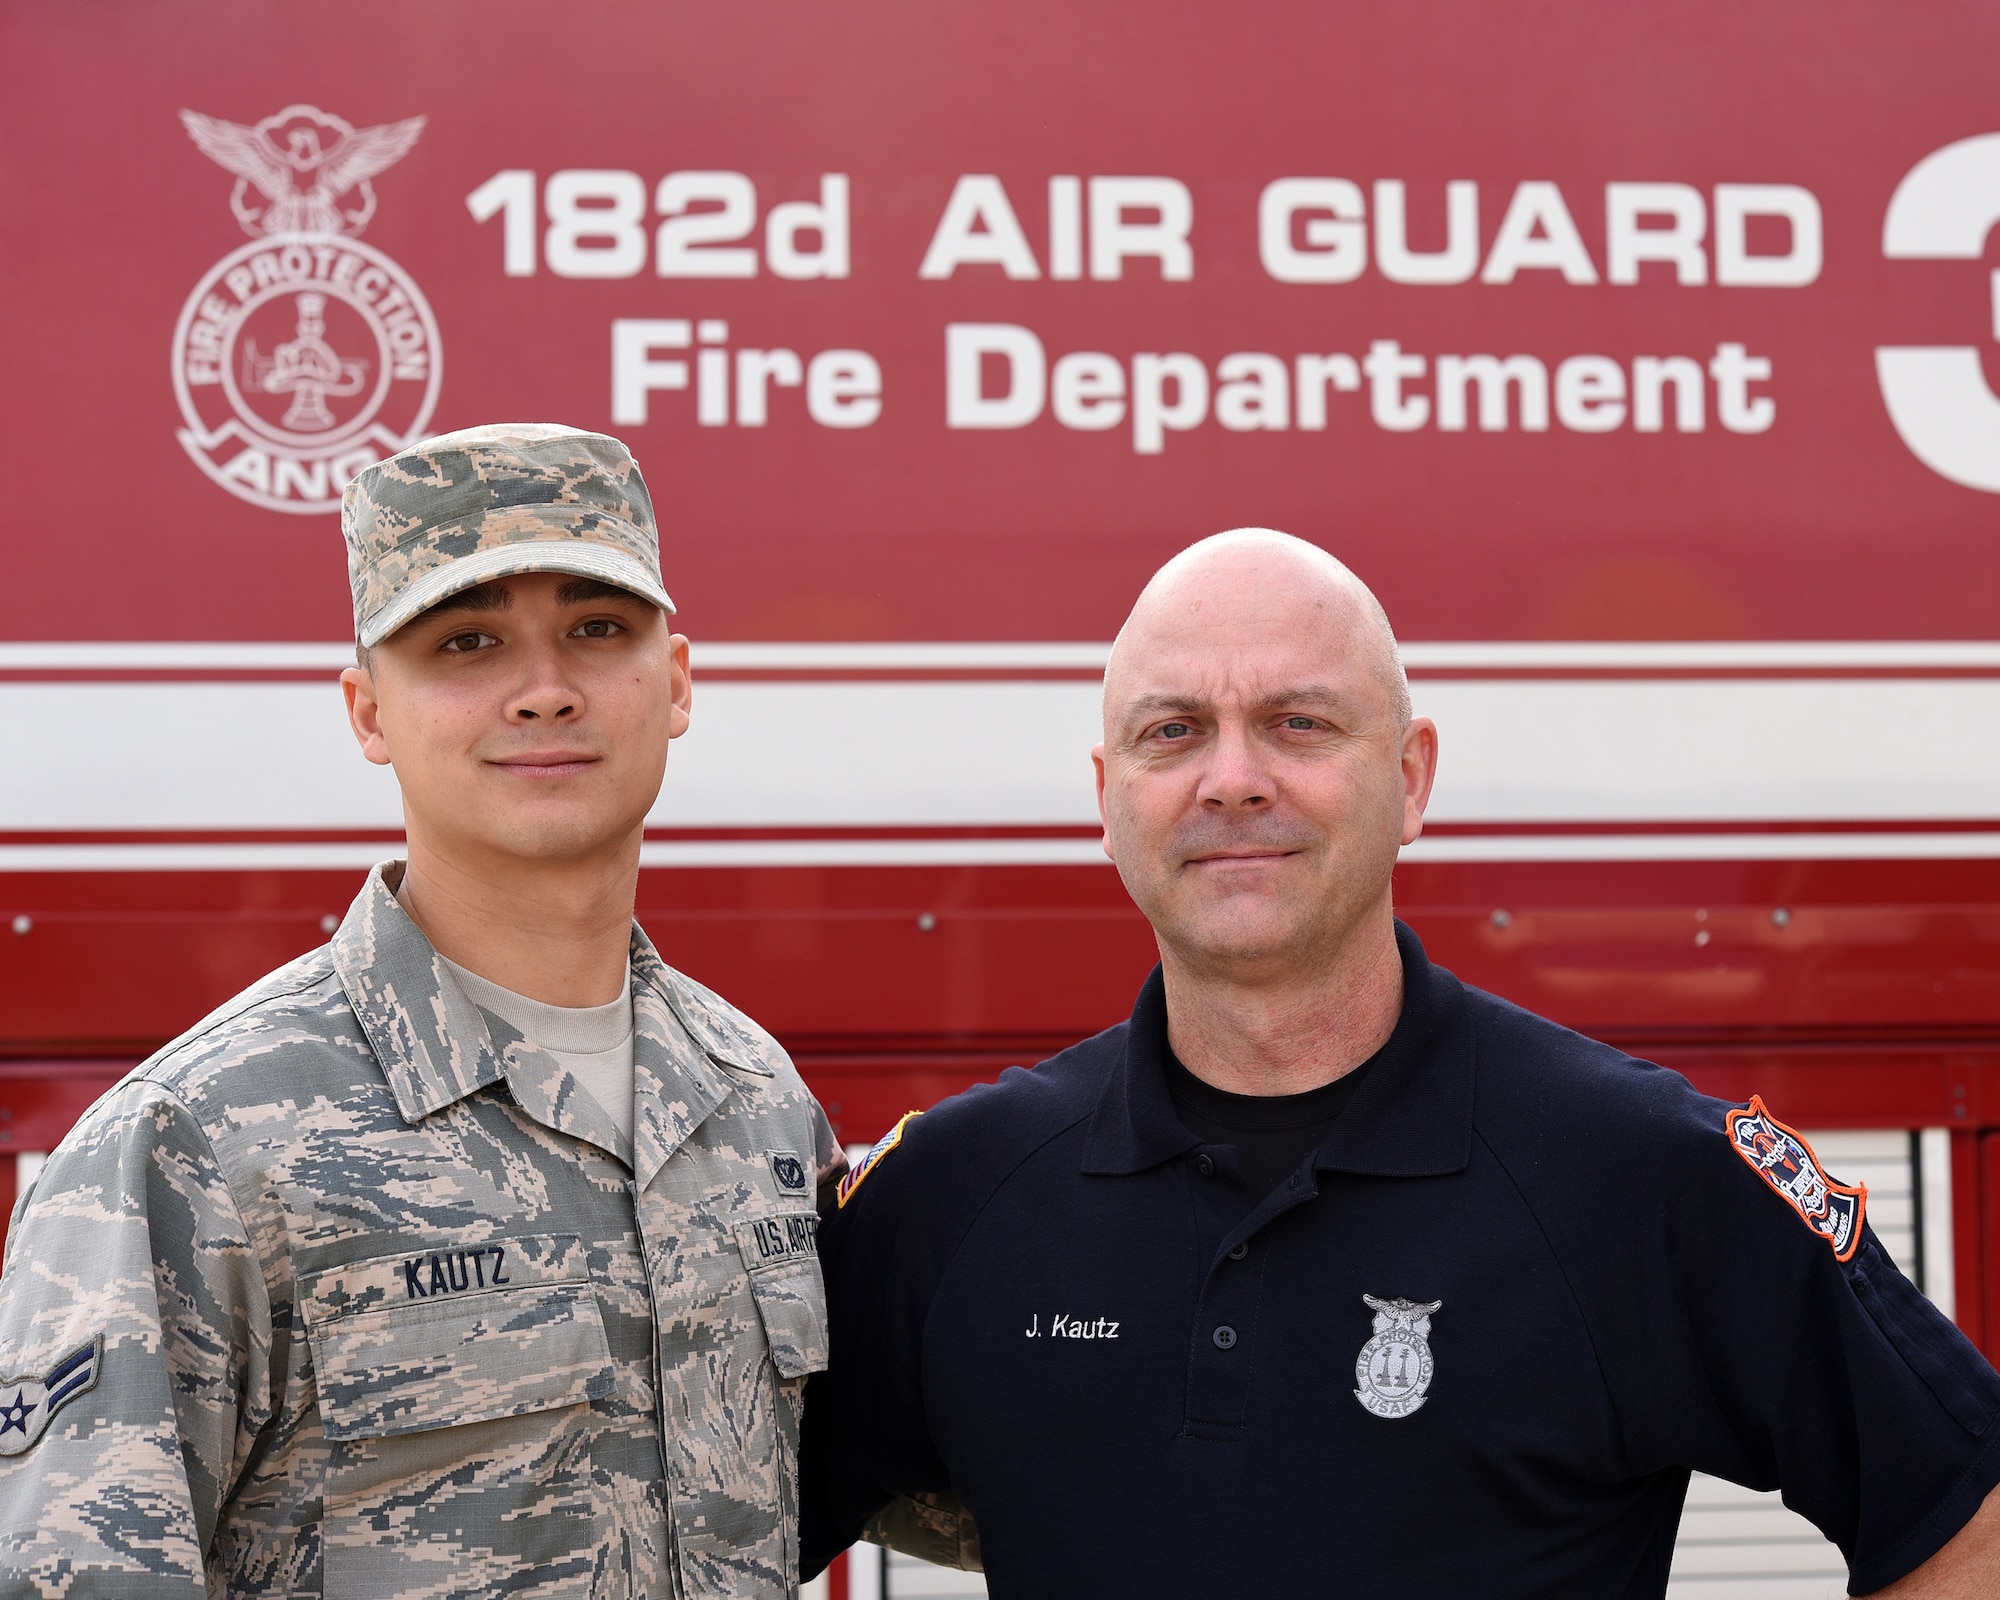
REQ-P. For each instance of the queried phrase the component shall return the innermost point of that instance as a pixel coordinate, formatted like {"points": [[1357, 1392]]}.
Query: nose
{"points": [[1237, 777], [545, 692]]}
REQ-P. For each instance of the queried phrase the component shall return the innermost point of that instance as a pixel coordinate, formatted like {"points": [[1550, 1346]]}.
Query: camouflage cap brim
{"points": [[485, 502], [555, 550]]}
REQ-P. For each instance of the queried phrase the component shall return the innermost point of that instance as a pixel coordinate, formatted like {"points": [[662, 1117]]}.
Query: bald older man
{"points": [[1326, 1274]]}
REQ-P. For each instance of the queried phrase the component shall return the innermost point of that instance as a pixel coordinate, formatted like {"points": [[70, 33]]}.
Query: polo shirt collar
{"points": [[1411, 1117], [1134, 1126]]}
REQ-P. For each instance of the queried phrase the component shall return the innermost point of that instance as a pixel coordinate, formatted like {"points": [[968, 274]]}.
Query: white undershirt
{"points": [[593, 1042]]}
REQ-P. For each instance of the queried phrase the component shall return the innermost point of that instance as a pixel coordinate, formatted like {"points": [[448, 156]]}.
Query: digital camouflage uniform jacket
{"points": [[348, 1292]]}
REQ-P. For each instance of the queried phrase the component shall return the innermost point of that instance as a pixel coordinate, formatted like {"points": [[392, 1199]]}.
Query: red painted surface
{"points": [[110, 215], [1026, 959], [1975, 1209]]}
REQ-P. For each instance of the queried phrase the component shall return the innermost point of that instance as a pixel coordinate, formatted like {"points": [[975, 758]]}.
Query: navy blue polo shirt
{"points": [[1472, 1346]]}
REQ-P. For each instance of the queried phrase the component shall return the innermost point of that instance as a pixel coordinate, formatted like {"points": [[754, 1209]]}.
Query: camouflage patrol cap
{"points": [[489, 502]]}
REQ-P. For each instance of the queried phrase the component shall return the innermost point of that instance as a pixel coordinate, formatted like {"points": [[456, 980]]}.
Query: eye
{"points": [[1174, 730], [1302, 724], [597, 628], [464, 644]]}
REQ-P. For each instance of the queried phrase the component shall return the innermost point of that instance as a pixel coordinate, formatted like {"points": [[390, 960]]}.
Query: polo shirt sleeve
{"points": [[1736, 1341], [866, 1438]]}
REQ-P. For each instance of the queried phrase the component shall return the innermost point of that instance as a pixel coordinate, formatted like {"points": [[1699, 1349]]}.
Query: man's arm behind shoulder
{"points": [[865, 1446], [931, 1527]]}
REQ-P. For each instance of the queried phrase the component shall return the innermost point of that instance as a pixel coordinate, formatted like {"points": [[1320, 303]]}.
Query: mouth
{"points": [[545, 764], [1240, 858]]}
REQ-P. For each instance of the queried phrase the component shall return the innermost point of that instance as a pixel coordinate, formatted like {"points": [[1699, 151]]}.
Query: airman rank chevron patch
{"points": [[27, 1404], [867, 1163], [1786, 1162]]}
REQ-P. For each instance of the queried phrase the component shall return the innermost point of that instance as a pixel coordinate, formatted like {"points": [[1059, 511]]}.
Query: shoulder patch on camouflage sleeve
{"points": [[28, 1404], [867, 1163], [1783, 1159]]}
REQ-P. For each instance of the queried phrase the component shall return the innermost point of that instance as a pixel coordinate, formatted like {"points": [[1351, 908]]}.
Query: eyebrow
{"points": [[489, 596], [494, 595], [578, 590], [1149, 705], [1146, 705], [1299, 694]]}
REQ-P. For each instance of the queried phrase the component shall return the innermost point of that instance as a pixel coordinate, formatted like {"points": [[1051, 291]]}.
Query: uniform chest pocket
{"points": [[431, 1338], [781, 1253]]}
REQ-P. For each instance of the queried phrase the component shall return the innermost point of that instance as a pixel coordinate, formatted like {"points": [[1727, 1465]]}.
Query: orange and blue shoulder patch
{"points": [[870, 1161], [1783, 1159]]}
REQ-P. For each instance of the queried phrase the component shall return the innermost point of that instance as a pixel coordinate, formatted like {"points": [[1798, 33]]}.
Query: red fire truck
{"points": [[1642, 359]]}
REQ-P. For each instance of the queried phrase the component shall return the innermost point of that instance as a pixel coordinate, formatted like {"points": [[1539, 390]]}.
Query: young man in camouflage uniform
{"points": [[472, 1253]]}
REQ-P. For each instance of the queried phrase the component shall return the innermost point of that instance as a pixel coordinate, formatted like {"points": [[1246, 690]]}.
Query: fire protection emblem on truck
{"points": [[1786, 1162], [1395, 1368], [305, 355]]}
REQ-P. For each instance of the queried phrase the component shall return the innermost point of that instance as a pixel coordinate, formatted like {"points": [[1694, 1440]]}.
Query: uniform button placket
{"points": [[1221, 1364]]}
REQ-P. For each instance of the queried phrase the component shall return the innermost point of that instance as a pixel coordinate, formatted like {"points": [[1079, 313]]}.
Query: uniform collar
{"points": [[1411, 1117], [685, 1048], [430, 1040], [435, 1046], [1134, 1126]]}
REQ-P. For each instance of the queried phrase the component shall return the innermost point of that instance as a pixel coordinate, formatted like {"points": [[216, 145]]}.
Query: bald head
{"points": [[1249, 581], [1260, 767]]}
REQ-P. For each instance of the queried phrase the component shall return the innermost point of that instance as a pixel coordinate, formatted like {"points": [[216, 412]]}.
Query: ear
{"points": [[680, 688], [1420, 761], [1103, 815], [364, 714]]}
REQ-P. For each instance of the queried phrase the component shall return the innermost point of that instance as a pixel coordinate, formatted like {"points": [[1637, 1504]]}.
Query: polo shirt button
{"points": [[1205, 1165], [1224, 1337], [1240, 1251]]}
